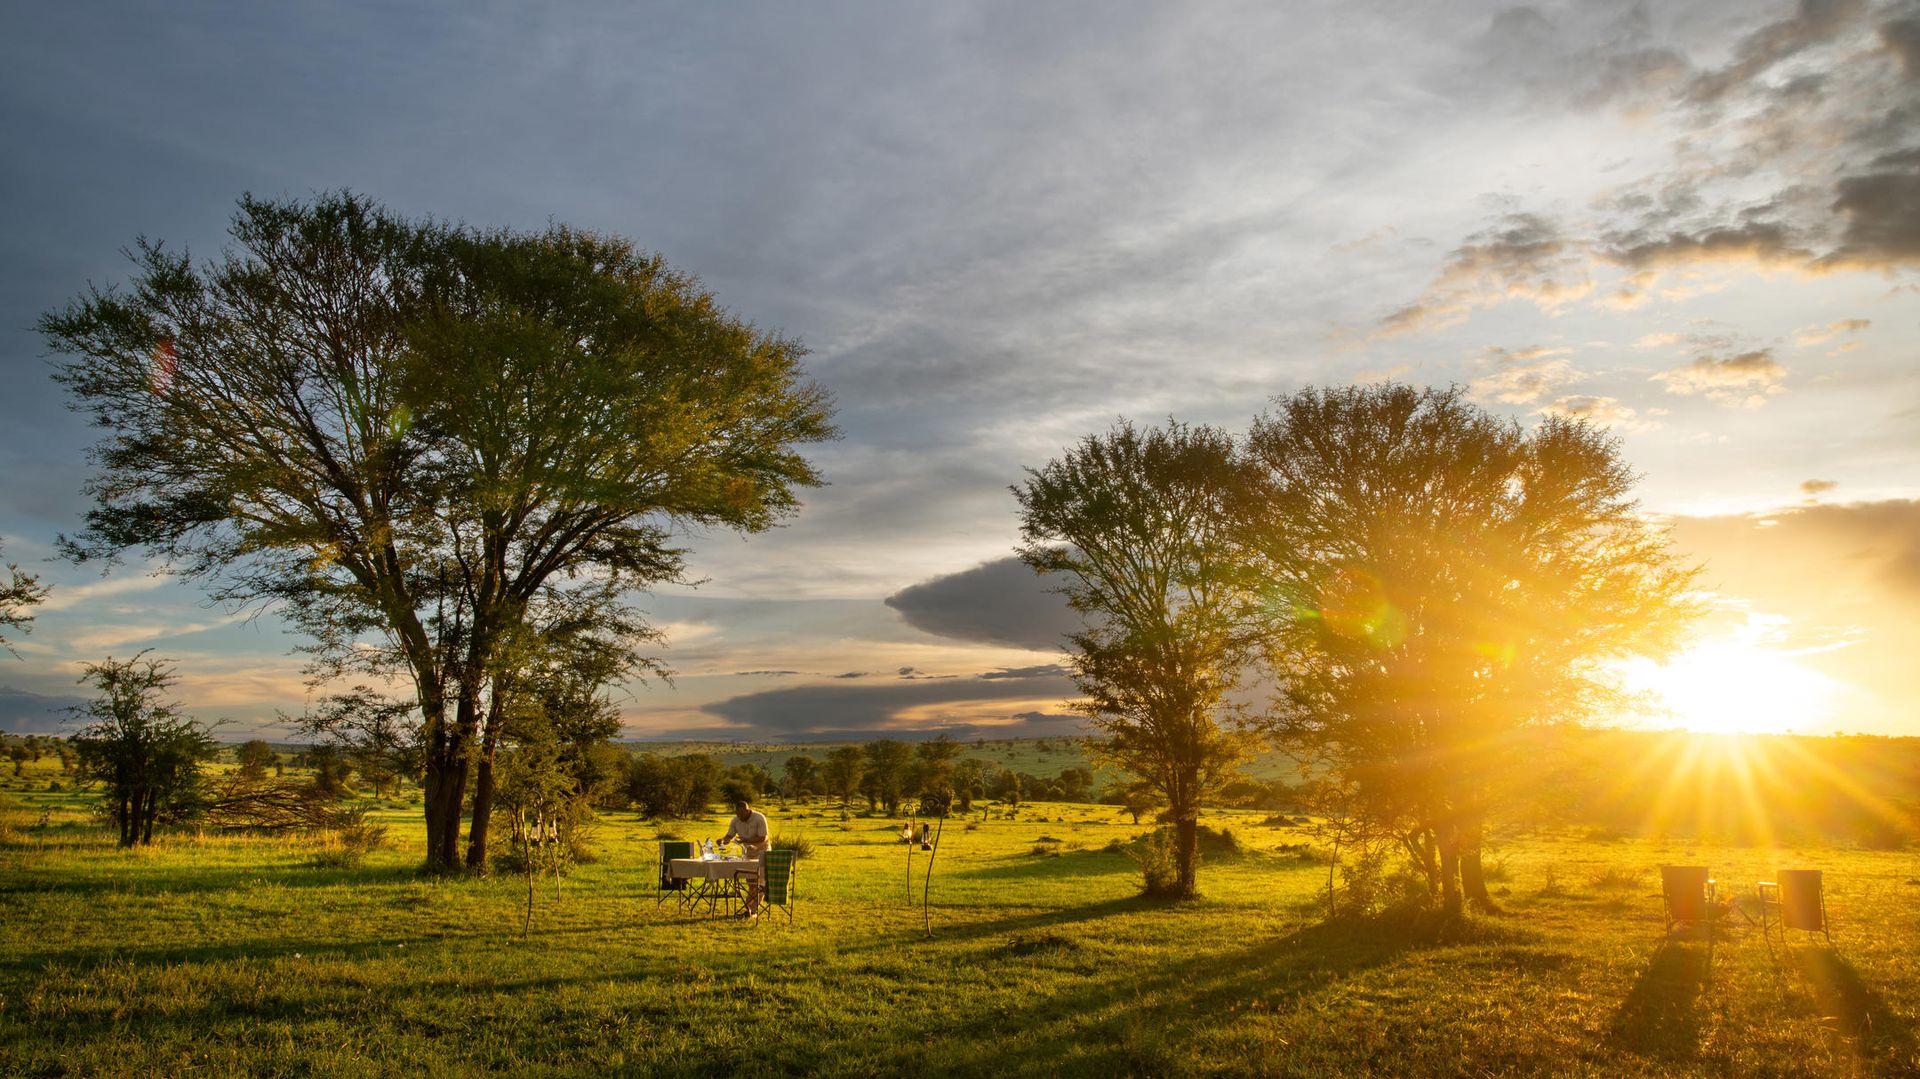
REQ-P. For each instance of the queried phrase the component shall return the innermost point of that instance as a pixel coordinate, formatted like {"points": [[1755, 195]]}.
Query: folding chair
{"points": [[1688, 894], [1799, 899], [776, 882], [671, 886]]}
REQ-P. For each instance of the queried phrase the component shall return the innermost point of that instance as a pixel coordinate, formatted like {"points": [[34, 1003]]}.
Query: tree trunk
{"points": [[1473, 878], [483, 789], [482, 812], [446, 786], [1450, 872], [1186, 853]]}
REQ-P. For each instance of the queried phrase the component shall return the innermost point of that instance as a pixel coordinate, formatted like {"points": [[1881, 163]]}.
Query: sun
{"points": [[1735, 685]]}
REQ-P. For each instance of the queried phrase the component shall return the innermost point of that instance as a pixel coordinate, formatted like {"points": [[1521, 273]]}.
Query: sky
{"points": [[1000, 227]]}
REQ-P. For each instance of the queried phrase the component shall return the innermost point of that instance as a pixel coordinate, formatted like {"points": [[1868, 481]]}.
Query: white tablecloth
{"points": [[717, 869]]}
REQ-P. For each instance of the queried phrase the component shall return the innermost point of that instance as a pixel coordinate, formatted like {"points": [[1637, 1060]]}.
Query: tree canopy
{"points": [[1437, 581], [140, 745], [1138, 526], [18, 593], [424, 436]]}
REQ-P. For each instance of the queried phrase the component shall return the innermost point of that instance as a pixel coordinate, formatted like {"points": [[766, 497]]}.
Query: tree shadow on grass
{"points": [[135, 878], [1854, 1009], [1664, 1011], [1065, 864], [1172, 1002]]}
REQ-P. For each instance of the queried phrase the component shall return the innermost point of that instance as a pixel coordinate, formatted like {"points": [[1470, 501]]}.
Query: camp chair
{"points": [[1799, 897], [669, 885], [776, 881], [1688, 894]]}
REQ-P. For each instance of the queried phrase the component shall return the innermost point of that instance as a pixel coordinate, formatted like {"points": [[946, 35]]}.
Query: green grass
{"points": [[223, 955]]}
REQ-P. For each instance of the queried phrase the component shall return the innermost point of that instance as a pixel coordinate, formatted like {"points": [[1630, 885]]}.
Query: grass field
{"points": [[236, 955]]}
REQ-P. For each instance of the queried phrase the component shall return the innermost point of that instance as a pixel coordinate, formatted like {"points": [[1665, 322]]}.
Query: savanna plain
{"points": [[1026, 951]]}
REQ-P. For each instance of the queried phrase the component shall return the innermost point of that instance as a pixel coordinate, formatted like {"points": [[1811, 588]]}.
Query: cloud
{"points": [[1902, 38], [22, 712], [1584, 57], [1847, 574], [900, 706], [1523, 256], [1000, 602], [1759, 243], [72, 595], [1525, 376], [1793, 152], [1598, 410], [1745, 380], [101, 636], [1817, 335], [1882, 211], [1814, 22], [1814, 488]]}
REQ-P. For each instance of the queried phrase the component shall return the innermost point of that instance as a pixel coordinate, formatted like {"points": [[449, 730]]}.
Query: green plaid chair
{"points": [[776, 882], [669, 850]]}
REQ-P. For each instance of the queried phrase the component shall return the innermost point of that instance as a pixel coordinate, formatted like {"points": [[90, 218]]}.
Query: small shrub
{"points": [[1305, 852], [1552, 886], [1042, 850], [1496, 872], [1615, 879], [347, 846], [1046, 839], [800, 845], [1160, 877], [1222, 841]]}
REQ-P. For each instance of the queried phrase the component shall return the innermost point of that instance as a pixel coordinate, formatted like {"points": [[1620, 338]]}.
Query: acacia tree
{"points": [[1137, 523], [139, 745], [841, 772], [889, 763], [404, 431], [18, 592], [1438, 580]]}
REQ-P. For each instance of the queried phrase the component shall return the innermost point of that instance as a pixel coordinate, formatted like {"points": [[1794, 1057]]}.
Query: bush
{"points": [[1160, 878], [1222, 841], [800, 845], [1615, 879], [347, 846]]}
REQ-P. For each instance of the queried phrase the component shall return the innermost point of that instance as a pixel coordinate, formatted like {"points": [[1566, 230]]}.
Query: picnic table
{"points": [[713, 882]]}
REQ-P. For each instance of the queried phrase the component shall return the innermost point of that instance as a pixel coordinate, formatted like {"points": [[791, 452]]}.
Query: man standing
{"points": [[749, 825]]}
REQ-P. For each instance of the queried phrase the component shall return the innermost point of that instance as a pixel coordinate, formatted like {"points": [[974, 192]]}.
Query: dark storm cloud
{"points": [[820, 710], [1000, 602], [1882, 211], [1902, 38], [33, 713]]}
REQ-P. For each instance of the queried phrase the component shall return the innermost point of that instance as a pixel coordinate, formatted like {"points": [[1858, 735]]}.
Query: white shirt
{"points": [[751, 832]]}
